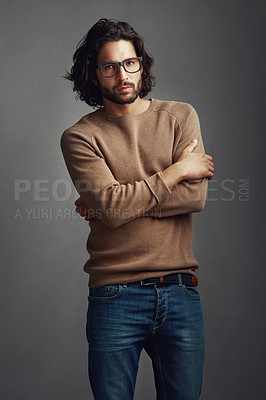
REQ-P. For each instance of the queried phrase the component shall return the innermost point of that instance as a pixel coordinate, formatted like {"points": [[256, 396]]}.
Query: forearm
{"points": [[112, 202], [118, 203], [187, 197]]}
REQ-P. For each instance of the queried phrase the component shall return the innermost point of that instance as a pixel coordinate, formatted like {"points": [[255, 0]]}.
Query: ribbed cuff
{"points": [[158, 187]]}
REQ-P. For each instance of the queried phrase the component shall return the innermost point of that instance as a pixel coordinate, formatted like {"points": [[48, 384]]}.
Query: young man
{"points": [[140, 169]]}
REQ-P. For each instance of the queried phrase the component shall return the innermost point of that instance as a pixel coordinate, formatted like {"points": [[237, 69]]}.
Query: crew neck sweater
{"points": [[141, 229]]}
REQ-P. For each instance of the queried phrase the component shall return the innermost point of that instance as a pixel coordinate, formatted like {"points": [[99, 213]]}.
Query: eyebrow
{"points": [[128, 58]]}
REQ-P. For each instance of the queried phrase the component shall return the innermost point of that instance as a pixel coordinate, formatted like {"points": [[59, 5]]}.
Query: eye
{"points": [[108, 67], [130, 63]]}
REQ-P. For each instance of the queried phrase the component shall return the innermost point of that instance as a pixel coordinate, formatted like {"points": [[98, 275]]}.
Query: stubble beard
{"points": [[121, 98]]}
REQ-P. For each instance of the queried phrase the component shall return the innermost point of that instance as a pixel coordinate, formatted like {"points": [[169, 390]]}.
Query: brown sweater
{"points": [[142, 229]]}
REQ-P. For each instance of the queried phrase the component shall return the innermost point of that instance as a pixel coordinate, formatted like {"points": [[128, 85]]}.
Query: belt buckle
{"points": [[143, 283]]}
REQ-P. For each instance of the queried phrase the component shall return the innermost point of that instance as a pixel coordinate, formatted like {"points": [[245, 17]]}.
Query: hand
{"points": [[195, 165], [189, 166], [83, 209]]}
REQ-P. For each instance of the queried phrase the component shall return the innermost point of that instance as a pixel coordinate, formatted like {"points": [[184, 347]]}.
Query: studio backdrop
{"points": [[210, 54]]}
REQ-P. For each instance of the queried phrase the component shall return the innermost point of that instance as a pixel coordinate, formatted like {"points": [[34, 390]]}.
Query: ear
{"points": [[95, 79]]}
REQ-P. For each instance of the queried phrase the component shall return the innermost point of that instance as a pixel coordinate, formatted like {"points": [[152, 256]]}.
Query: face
{"points": [[124, 88]]}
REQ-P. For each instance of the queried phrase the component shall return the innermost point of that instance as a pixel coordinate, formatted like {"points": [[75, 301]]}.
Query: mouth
{"points": [[124, 89]]}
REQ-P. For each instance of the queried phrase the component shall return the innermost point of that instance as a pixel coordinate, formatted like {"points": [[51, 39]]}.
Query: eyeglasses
{"points": [[130, 65]]}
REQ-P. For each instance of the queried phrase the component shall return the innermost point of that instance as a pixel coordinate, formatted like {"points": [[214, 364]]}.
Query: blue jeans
{"points": [[165, 320]]}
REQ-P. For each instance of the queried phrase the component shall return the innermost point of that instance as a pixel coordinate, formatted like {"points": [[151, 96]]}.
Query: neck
{"points": [[118, 110]]}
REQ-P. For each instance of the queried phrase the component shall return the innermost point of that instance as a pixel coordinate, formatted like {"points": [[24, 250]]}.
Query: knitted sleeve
{"points": [[112, 202], [187, 196]]}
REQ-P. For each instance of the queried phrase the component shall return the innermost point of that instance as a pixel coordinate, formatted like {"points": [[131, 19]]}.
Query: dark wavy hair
{"points": [[83, 71]]}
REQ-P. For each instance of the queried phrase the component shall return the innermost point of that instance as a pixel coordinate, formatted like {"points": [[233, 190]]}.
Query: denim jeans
{"points": [[163, 319]]}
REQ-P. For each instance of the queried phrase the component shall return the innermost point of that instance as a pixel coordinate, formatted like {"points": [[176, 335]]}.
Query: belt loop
{"points": [[179, 279]]}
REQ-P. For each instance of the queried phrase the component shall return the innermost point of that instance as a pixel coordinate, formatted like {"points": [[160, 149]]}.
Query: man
{"points": [[140, 169]]}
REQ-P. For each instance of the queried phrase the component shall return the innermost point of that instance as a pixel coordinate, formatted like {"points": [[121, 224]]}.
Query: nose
{"points": [[122, 74]]}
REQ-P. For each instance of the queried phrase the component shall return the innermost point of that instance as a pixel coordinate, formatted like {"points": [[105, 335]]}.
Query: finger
{"points": [[78, 202], [83, 212], [210, 166], [210, 163], [210, 176], [89, 217]]}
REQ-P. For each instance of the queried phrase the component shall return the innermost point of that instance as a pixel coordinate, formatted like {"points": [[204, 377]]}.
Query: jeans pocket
{"points": [[191, 291], [105, 293]]}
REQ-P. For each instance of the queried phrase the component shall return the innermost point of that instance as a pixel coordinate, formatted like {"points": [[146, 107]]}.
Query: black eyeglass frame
{"points": [[120, 63]]}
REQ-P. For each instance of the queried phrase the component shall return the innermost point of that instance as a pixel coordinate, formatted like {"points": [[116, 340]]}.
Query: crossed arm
{"points": [[187, 179], [179, 189]]}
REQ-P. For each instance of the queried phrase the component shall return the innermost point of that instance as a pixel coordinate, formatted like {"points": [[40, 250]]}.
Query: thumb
{"points": [[78, 201], [191, 146]]}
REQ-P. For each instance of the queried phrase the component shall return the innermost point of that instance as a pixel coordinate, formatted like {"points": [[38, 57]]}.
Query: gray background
{"points": [[208, 53]]}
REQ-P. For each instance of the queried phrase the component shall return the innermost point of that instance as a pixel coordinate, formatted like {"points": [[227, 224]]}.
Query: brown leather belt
{"points": [[182, 279]]}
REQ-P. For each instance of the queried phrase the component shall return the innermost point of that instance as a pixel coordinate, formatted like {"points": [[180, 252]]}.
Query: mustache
{"points": [[124, 84]]}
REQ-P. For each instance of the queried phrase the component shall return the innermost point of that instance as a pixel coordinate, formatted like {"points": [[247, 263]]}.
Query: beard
{"points": [[117, 98]]}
